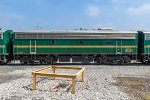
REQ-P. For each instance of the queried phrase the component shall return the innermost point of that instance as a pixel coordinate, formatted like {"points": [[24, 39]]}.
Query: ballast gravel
{"points": [[16, 83]]}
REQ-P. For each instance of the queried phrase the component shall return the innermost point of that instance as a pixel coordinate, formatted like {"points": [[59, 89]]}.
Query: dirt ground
{"points": [[102, 82], [139, 87]]}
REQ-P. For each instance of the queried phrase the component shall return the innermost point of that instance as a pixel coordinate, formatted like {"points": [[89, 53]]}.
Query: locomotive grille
{"points": [[147, 36], [43, 35], [1, 35]]}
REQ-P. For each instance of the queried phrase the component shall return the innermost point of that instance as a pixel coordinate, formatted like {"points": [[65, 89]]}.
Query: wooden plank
{"points": [[78, 74], [56, 75], [43, 69], [67, 67]]}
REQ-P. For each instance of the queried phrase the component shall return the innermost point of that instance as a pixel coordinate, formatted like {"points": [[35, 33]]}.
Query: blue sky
{"points": [[74, 14]]}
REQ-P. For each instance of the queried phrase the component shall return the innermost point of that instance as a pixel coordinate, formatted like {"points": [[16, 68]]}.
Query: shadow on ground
{"points": [[63, 84]]}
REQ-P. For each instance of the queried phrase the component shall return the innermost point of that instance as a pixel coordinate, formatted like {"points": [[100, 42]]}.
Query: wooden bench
{"points": [[74, 77]]}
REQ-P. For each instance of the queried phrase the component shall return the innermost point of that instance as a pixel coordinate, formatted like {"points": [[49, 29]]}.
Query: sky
{"points": [[74, 14]]}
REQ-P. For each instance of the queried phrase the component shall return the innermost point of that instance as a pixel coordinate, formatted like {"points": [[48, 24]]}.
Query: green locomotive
{"points": [[5, 46], [79, 46], [146, 49]]}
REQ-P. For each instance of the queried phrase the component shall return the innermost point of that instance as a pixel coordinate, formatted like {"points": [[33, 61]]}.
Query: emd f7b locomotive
{"points": [[79, 46], [74, 46]]}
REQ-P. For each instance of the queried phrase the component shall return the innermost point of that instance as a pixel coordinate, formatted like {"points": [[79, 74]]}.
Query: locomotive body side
{"points": [[75, 46]]}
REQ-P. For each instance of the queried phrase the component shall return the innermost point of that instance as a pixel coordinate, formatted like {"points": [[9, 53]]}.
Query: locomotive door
{"points": [[118, 46], [32, 46]]}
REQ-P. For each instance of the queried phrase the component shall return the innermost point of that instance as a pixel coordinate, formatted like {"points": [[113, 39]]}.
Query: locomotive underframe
{"points": [[98, 59]]}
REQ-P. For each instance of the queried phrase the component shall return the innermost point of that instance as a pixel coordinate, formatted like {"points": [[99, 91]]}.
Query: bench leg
{"points": [[53, 69], [34, 81], [83, 76], [73, 85]]}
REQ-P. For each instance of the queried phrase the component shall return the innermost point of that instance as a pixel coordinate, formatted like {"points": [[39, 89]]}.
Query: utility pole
{"points": [[38, 27]]}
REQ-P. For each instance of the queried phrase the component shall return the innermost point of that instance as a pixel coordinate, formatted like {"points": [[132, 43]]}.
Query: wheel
{"points": [[25, 60], [127, 60], [43, 61], [98, 60], [49, 59]]}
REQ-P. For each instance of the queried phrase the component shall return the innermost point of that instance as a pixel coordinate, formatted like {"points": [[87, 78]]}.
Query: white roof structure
{"points": [[74, 31], [75, 34]]}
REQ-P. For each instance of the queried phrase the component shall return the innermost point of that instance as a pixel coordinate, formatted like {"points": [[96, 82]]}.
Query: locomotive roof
{"points": [[74, 31], [74, 34], [147, 32]]}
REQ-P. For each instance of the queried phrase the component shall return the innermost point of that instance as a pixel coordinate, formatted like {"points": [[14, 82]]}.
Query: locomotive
{"points": [[74, 46]]}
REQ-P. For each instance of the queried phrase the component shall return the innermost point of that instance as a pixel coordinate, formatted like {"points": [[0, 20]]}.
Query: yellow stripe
{"points": [[75, 46], [147, 46]]}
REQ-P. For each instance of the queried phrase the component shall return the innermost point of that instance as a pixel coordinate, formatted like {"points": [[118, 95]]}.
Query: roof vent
{"points": [[107, 29], [80, 28]]}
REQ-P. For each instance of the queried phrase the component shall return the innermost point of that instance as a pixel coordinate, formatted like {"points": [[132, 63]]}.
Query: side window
{"points": [[80, 42], [108, 42], [53, 42]]}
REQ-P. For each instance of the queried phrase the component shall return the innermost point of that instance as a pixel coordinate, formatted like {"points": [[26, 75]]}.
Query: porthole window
{"points": [[81, 42], [53, 42], [108, 42]]}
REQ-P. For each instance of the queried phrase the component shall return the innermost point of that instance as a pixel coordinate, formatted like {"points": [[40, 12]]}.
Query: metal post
{"points": [[35, 46], [121, 46], [3, 49], [14, 52], [116, 46], [136, 53], [30, 46], [148, 50], [17, 52]]}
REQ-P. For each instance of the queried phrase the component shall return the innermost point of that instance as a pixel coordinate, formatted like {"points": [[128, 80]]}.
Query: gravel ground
{"points": [[100, 83]]}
